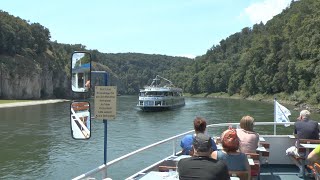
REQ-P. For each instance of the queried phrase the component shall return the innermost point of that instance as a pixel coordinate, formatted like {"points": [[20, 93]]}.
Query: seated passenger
{"points": [[200, 126], [314, 156], [304, 128], [201, 165], [248, 138], [235, 160]]}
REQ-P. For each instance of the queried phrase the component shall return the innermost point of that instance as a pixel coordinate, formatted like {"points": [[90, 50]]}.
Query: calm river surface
{"points": [[36, 140]]}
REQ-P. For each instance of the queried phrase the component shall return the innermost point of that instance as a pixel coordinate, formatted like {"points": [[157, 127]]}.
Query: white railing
{"points": [[102, 168]]}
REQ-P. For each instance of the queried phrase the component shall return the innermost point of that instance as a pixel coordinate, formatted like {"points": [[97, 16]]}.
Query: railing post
{"points": [[105, 122], [174, 147]]}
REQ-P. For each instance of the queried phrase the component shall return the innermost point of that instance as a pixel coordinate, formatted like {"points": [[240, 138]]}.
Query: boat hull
{"points": [[160, 108]]}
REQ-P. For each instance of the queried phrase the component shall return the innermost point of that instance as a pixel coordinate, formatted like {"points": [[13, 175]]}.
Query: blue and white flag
{"points": [[281, 113]]}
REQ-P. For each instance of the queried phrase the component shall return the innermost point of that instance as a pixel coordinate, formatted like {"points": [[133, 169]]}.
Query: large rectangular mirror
{"points": [[80, 120], [80, 72]]}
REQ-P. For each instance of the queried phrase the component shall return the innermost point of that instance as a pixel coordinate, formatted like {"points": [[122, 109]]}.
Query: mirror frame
{"points": [[84, 124], [89, 74]]}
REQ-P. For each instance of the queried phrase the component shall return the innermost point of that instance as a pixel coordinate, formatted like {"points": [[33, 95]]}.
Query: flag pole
{"points": [[274, 117]]}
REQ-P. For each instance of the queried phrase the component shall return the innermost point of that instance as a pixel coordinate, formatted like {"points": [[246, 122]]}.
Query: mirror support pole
{"points": [[105, 122], [105, 138]]}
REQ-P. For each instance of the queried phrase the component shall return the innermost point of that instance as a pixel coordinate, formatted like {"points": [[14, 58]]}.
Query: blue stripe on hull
{"points": [[159, 108]]}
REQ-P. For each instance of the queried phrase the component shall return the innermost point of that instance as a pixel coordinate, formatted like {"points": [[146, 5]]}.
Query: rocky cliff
{"points": [[32, 78]]}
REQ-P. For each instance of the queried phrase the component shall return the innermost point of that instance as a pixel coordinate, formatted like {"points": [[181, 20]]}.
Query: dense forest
{"points": [[279, 57]]}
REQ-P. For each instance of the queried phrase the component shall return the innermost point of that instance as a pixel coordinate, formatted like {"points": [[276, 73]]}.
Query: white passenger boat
{"points": [[160, 95], [275, 164]]}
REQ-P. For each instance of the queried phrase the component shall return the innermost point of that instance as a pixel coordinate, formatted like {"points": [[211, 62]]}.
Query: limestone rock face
{"points": [[25, 78]]}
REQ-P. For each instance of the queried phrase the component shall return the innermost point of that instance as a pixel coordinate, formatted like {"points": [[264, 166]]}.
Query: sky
{"points": [[168, 27]]}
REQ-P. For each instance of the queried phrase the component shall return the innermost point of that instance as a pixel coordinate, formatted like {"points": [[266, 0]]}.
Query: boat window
{"points": [[149, 103], [158, 103]]}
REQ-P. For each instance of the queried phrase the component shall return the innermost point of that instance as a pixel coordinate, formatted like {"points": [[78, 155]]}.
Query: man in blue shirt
{"points": [[200, 126]]}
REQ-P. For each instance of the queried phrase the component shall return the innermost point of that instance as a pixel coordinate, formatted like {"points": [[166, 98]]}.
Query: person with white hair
{"points": [[305, 128]]}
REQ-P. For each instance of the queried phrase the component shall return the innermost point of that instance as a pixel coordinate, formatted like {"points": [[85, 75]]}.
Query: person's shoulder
{"points": [[243, 154], [185, 160], [219, 163], [188, 136]]}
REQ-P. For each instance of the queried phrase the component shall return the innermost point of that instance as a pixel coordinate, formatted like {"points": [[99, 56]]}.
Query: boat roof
{"points": [[164, 89]]}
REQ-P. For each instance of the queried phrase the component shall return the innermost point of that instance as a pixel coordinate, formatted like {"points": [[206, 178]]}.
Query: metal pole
{"points": [[1, 79], [274, 117], [105, 143], [174, 147], [105, 122]]}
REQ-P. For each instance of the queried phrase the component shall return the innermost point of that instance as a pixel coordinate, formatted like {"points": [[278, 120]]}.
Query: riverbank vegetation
{"points": [[280, 58]]}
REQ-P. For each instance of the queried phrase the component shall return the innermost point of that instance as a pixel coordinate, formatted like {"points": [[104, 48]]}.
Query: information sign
{"points": [[105, 102]]}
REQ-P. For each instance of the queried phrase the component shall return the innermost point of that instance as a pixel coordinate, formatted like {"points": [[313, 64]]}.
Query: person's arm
{"points": [[214, 146], [295, 133], [258, 140], [214, 155], [182, 146], [314, 155], [247, 166]]}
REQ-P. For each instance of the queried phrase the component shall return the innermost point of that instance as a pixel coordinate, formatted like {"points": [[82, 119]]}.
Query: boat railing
{"points": [[102, 168], [81, 126]]}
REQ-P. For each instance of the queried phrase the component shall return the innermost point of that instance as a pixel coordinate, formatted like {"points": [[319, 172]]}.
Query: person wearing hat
{"points": [[235, 160], [201, 165], [199, 125]]}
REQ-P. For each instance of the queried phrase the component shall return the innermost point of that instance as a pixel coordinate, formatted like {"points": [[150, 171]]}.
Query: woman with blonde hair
{"points": [[249, 139]]}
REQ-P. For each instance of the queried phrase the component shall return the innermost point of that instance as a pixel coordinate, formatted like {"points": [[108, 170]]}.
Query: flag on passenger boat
{"points": [[281, 113]]}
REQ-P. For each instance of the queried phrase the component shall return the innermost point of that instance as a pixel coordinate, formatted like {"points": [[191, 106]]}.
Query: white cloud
{"points": [[265, 10]]}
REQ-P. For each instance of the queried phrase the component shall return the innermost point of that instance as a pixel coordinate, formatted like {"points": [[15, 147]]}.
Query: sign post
{"points": [[105, 102]]}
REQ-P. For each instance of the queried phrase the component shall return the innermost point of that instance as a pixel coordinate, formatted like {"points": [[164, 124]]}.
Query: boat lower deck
{"points": [[281, 172], [268, 172]]}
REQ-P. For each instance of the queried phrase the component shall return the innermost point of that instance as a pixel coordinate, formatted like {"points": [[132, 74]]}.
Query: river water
{"points": [[36, 140]]}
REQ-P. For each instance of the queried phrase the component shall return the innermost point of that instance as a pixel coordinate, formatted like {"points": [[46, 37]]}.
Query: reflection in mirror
{"points": [[80, 120], [81, 68]]}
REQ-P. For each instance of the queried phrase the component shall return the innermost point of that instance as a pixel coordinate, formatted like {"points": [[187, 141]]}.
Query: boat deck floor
{"points": [[282, 172]]}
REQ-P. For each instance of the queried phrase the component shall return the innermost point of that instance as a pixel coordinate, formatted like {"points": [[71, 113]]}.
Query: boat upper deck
{"points": [[276, 166]]}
